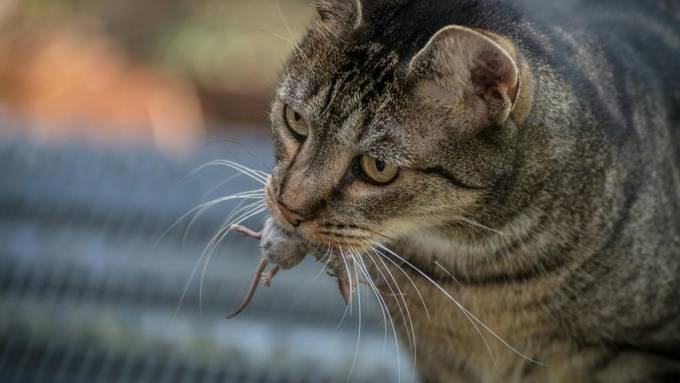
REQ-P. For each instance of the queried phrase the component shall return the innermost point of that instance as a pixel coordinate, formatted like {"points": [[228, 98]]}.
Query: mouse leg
{"points": [[251, 290], [244, 231], [267, 277]]}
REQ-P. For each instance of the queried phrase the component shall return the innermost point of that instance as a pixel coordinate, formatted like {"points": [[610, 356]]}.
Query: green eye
{"points": [[377, 170], [295, 122]]}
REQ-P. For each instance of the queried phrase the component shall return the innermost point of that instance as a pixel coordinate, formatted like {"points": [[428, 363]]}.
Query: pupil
{"points": [[296, 116], [380, 165]]}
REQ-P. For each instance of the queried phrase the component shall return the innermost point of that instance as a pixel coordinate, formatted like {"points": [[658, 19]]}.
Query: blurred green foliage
{"points": [[220, 44]]}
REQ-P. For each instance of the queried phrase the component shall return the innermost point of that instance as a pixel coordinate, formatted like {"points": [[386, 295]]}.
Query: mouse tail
{"points": [[251, 290]]}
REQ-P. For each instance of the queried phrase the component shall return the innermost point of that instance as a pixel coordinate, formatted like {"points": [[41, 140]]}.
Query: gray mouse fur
{"points": [[286, 250]]}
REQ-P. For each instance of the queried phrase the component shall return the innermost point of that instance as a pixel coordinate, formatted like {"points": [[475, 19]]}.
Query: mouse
{"points": [[286, 250]]}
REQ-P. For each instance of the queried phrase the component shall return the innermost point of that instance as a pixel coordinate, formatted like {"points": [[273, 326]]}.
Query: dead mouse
{"points": [[286, 250], [282, 249]]}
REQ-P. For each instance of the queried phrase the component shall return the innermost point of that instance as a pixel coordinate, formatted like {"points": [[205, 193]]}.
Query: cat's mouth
{"points": [[319, 231], [341, 234]]}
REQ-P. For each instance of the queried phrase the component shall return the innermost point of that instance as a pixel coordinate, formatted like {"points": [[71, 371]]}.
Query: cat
{"points": [[520, 158]]}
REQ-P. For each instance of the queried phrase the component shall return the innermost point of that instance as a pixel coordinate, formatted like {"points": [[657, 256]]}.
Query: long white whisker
{"points": [[251, 210], [328, 258], [290, 33], [199, 213], [256, 175], [348, 307], [186, 286], [226, 228], [349, 276], [460, 306], [222, 183], [408, 321], [240, 167], [477, 224], [356, 351], [474, 325], [236, 166], [250, 194], [342, 319], [465, 312], [415, 287], [447, 272], [381, 303], [394, 329], [226, 224]]}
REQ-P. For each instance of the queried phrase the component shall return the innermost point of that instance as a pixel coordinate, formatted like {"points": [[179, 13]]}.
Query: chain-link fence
{"points": [[90, 285]]}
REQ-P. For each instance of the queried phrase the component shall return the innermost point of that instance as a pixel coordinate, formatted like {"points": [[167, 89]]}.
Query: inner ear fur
{"points": [[475, 67]]}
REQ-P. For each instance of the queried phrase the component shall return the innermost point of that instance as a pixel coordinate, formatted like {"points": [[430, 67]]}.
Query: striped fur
{"points": [[581, 184]]}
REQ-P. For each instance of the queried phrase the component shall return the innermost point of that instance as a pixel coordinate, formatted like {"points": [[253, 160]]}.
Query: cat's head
{"points": [[378, 135]]}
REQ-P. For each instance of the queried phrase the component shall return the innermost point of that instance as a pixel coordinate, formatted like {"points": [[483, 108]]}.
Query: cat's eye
{"points": [[295, 122], [378, 170]]}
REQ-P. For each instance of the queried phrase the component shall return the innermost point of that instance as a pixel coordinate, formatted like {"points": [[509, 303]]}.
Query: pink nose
{"points": [[292, 217]]}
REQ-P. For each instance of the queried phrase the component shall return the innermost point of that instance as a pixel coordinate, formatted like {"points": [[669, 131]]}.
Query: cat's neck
{"points": [[511, 251]]}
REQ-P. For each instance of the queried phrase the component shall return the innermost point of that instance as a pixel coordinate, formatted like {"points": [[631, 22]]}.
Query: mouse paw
{"points": [[345, 289], [268, 277], [244, 231]]}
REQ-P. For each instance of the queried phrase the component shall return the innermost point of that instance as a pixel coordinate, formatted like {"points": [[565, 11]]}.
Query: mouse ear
{"points": [[336, 16], [461, 64]]}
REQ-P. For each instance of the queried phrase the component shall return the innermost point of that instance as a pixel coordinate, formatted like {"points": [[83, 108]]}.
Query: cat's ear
{"points": [[336, 16], [465, 65]]}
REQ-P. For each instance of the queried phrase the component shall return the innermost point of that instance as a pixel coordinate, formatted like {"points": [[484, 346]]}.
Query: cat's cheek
{"points": [[291, 148]]}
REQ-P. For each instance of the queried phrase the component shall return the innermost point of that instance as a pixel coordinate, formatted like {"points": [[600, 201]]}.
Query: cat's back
{"points": [[620, 57]]}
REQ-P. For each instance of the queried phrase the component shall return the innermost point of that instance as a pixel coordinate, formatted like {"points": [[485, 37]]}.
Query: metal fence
{"points": [[89, 286]]}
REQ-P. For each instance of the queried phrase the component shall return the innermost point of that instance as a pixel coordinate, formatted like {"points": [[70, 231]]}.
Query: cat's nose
{"points": [[292, 217]]}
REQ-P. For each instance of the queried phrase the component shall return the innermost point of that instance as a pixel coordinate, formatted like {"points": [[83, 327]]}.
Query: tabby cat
{"points": [[520, 158]]}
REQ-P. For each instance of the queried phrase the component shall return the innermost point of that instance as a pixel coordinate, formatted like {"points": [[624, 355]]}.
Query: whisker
{"points": [[327, 257], [191, 276], [342, 319], [408, 325], [206, 145], [349, 276], [212, 247], [394, 329], [250, 194], [348, 307], [296, 46], [356, 351], [256, 208], [379, 234], [220, 184], [365, 273], [246, 212], [461, 307], [256, 175], [463, 310], [199, 213], [415, 287], [479, 225], [448, 273]]}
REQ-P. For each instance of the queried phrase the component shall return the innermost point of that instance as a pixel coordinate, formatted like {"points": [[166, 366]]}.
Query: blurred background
{"points": [[106, 107]]}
